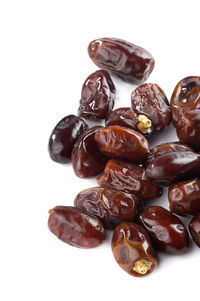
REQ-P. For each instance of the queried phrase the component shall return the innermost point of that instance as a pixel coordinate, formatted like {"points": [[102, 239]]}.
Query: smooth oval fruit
{"points": [[165, 229], [76, 227], [111, 206], [64, 136], [132, 249], [194, 227], [97, 96], [126, 60]]}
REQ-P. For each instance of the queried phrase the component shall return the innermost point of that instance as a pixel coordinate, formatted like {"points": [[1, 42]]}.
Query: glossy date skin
{"points": [[86, 159], [110, 206], [194, 228], [132, 249], [172, 162], [130, 178], [76, 227], [63, 137], [185, 106], [120, 142], [126, 60], [97, 97], [165, 229], [184, 197], [150, 99]]}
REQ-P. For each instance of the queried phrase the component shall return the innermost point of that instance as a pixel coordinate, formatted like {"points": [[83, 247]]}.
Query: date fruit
{"points": [[194, 227], [172, 162], [121, 142], [87, 161], [132, 249], [110, 206], [97, 97], [185, 106], [150, 100], [165, 229], [76, 227], [184, 197], [63, 137], [130, 178], [126, 60]]}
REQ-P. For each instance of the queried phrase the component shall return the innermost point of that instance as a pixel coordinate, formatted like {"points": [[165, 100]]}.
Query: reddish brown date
{"points": [[63, 137], [132, 249], [165, 229], [76, 227], [111, 206], [184, 197], [185, 106], [87, 161], [126, 60], [97, 97], [121, 142], [129, 118], [194, 228], [129, 178], [172, 162], [150, 100]]}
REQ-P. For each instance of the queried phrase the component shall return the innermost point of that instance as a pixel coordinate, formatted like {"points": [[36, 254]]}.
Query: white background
{"points": [[43, 64]]}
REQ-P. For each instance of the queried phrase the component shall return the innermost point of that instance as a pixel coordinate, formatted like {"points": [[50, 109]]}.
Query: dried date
{"points": [[194, 227]]}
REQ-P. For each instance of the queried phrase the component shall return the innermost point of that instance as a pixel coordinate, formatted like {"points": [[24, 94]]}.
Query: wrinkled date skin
{"points": [[132, 249], [185, 106], [194, 227], [165, 229], [172, 162], [76, 227], [120, 142], [129, 178], [63, 137], [111, 206], [97, 97], [127, 117], [126, 60], [184, 197], [86, 159], [150, 99]]}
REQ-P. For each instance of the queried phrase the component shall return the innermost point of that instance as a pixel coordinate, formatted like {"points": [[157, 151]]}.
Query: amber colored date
{"points": [[63, 137], [172, 162], [165, 229], [120, 142], [194, 227], [132, 249], [76, 227], [128, 177], [87, 161], [150, 99], [111, 206], [126, 60], [97, 97]]}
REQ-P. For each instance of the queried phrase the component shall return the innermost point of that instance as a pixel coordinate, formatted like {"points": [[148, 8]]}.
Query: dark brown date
{"points": [[165, 229], [111, 206], [172, 162], [120, 142], [129, 118], [126, 60], [130, 178], [185, 106], [76, 227], [97, 97], [194, 228], [132, 249], [184, 197], [87, 161], [63, 137], [150, 99]]}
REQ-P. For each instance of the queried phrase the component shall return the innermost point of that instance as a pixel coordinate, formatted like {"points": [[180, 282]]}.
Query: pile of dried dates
{"points": [[129, 171]]}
